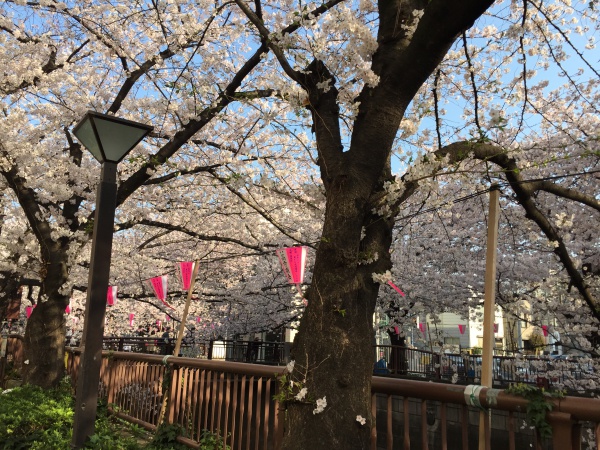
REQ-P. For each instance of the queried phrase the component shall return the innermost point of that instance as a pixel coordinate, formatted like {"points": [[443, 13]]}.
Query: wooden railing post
{"points": [[279, 424], [566, 433], [172, 393], [112, 367]]}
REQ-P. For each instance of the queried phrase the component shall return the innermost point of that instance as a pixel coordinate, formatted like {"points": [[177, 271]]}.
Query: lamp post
{"points": [[108, 139]]}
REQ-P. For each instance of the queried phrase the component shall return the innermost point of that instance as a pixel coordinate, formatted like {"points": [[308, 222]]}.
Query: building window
{"points": [[452, 341]]}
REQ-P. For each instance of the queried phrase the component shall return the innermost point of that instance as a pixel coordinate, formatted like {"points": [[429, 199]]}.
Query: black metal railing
{"points": [[395, 361], [257, 352], [398, 361]]}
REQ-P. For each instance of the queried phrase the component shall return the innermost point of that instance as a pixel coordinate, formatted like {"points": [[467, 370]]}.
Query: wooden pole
{"points": [[163, 407], [489, 308], [186, 309]]}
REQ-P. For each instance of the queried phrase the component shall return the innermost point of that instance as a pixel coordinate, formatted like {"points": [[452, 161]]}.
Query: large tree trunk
{"points": [[333, 349], [45, 332], [45, 344]]}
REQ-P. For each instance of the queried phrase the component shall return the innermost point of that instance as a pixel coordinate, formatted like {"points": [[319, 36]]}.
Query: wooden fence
{"points": [[236, 401]]}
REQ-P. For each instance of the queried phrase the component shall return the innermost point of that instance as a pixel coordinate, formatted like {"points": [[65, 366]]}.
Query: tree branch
{"points": [[180, 138], [184, 230], [524, 192], [255, 207]]}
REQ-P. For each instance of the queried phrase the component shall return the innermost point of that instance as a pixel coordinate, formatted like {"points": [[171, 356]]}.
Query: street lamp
{"points": [[108, 139]]}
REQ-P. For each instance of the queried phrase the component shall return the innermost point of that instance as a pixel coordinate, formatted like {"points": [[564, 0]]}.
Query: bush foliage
{"points": [[36, 419], [32, 418]]}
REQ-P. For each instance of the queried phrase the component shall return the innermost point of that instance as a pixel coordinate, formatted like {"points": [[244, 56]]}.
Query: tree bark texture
{"points": [[333, 348], [10, 295], [45, 345], [45, 331]]}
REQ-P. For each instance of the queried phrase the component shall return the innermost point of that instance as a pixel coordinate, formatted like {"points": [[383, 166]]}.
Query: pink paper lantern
{"points": [[396, 288], [111, 295], [131, 315], [28, 311], [293, 260], [545, 330], [422, 327], [461, 328], [186, 269], [197, 319], [159, 286], [68, 309]]}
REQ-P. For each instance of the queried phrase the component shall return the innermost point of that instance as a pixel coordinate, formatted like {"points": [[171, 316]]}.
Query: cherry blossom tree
{"points": [[191, 73], [411, 59], [281, 123]]}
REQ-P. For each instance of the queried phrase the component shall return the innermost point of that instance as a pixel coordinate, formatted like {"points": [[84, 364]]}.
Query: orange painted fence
{"points": [[236, 401]]}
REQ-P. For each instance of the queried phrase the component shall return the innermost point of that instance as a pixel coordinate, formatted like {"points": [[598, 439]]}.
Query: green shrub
{"points": [[166, 438], [33, 418], [211, 441]]}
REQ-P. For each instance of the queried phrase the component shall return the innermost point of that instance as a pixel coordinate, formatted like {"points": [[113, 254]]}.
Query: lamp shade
{"points": [[109, 138]]}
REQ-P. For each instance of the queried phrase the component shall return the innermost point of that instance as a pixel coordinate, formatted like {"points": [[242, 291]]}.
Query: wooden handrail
{"points": [[580, 408], [566, 417]]}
